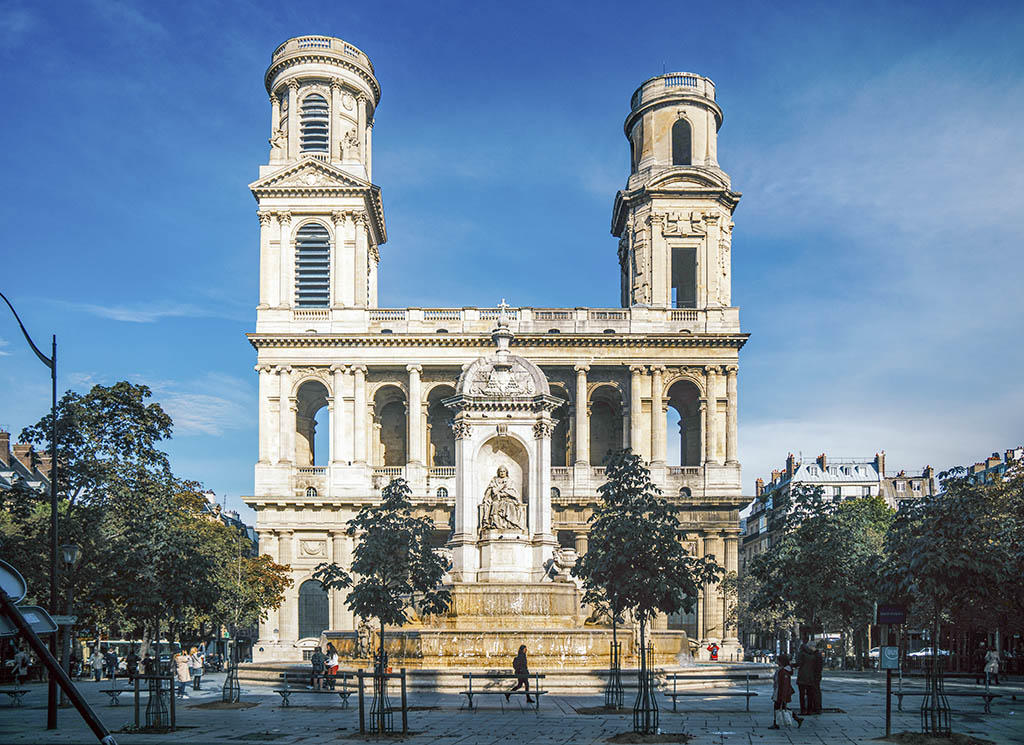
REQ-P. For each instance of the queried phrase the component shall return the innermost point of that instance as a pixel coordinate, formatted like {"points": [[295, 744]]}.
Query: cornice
{"points": [[729, 341], [314, 56]]}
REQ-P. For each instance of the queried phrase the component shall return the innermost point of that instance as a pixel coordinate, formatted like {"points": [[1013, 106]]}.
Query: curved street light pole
{"points": [[50, 362]]}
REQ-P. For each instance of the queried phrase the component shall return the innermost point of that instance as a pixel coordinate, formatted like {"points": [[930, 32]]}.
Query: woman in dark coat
{"points": [[782, 690], [522, 672]]}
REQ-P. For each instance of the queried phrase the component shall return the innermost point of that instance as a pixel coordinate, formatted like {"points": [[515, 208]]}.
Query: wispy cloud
{"points": [[151, 313], [212, 404], [3, 352]]}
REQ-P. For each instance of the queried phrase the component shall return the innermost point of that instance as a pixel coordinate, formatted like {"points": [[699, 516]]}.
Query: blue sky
{"points": [[877, 248]]}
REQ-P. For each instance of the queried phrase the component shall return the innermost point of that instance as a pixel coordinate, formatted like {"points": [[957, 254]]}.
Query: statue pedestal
{"points": [[505, 556]]}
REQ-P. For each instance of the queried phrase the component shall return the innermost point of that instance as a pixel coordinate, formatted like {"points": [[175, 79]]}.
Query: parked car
{"points": [[927, 652], [874, 652], [213, 663]]}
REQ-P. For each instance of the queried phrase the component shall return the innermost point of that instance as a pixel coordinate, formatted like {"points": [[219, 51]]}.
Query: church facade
{"points": [[499, 418]]}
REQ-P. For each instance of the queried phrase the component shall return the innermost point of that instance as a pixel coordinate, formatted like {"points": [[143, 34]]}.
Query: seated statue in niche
{"points": [[501, 508]]}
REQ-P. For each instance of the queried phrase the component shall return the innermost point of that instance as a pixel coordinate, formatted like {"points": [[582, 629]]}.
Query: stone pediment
{"points": [[307, 174], [502, 377]]}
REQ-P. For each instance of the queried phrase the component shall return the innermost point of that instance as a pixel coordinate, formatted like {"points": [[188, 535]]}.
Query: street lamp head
{"points": [[70, 553]]}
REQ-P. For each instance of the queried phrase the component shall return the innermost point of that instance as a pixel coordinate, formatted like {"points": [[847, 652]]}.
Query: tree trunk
{"points": [[381, 680]]}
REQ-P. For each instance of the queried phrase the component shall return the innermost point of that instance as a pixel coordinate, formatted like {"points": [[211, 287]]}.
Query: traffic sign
{"points": [[12, 582], [65, 620], [35, 616], [889, 658]]}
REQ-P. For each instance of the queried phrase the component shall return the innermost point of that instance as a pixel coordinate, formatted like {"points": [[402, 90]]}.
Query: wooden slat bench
{"points": [[704, 692], [470, 692], [341, 691], [15, 694], [986, 695]]}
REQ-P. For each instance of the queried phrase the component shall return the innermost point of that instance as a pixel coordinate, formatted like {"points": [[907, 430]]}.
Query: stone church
{"points": [[499, 418]]}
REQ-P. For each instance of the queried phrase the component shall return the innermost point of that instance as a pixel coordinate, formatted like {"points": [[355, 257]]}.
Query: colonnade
{"points": [[644, 432]]}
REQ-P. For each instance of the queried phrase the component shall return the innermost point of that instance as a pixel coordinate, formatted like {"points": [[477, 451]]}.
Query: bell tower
{"points": [[674, 218], [321, 217]]}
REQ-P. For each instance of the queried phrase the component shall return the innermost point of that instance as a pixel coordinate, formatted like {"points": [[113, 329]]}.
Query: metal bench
{"points": [[986, 695], [469, 692], [343, 691], [114, 694], [704, 692], [16, 694]]}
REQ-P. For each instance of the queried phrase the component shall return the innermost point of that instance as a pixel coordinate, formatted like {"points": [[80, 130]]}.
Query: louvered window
{"points": [[312, 266], [314, 120]]}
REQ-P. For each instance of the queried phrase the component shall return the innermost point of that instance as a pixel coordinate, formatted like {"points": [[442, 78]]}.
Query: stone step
{"points": [[566, 682]]}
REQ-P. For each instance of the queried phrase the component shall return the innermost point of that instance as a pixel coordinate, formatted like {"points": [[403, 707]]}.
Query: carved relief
{"points": [[348, 101], [350, 145], [501, 508], [314, 549], [724, 262], [543, 429], [500, 380], [461, 430]]}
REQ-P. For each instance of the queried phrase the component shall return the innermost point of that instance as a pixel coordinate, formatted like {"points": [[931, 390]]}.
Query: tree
{"points": [[395, 565], [636, 559]]}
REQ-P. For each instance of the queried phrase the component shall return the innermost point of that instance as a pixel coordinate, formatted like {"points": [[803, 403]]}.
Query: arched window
{"points": [[314, 123], [310, 491], [314, 615], [442, 493], [312, 266], [555, 493], [682, 148]]}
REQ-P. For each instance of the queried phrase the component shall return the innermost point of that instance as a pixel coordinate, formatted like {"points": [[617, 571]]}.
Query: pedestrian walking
{"points": [[196, 659], [522, 671], [318, 662], [110, 662], [149, 664], [21, 667], [96, 662], [182, 674], [331, 664], [819, 666], [992, 667], [131, 663], [978, 660], [805, 676], [782, 692]]}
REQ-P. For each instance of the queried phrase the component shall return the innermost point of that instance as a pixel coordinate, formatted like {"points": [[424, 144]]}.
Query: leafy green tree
{"points": [[636, 559], [394, 564]]}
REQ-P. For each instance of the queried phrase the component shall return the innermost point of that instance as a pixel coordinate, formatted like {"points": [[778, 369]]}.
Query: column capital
{"points": [[336, 84], [637, 369], [581, 367], [264, 368], [359, 369], [264, 216], [658, 369], [359, 218], [339, 369], [338, 217], [284, 217], [712, 370], [293, 85], [414, 369], [543, 429], [732, 369], [283, 369], [274, 100]]}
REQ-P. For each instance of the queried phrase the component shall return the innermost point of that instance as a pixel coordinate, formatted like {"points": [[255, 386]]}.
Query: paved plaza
{"points": [[443, 718]]}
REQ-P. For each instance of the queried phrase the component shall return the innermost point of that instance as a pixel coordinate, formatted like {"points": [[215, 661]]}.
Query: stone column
{"points": [[582, 420], [658, 422], [711, 417], [359, 414], [581, 540], [274, 278], [732, 545], [343, 266], [334, 151], [270, 628], [361, 101], [712, 274], [293, 119], [341, 617], [266, 278], [337, 410], [635, 406], [661, 278], [368, 157], [414, 450], [289, 620], [287, 254], [287, 418], [730, 415], [361, 257], [263, 391], [713, 618]]}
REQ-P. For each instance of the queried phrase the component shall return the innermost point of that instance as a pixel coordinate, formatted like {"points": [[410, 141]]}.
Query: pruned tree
{"points": [[636, 558], [394, 564]]}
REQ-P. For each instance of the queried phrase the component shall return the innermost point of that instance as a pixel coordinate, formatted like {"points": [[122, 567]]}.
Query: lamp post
{"points": [[69, 554], [50, 362]]}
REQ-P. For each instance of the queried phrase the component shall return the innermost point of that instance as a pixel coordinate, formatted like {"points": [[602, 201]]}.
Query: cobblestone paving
{"points": [[720, 720]]}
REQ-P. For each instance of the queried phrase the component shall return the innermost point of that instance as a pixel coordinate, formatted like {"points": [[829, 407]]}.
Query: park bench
{"points": [[342, 688], [15, 694], [987, 695], [704, 692], [114, 694], [470, 692]]}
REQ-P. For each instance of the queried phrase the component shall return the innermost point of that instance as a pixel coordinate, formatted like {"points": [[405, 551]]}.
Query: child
{"points": [[782, 692]]}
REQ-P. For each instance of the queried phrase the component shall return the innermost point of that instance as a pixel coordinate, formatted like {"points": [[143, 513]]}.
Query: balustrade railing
{"points": [[311, 314], [684, 470], [441, 472], [312, 470], [561, 473]]}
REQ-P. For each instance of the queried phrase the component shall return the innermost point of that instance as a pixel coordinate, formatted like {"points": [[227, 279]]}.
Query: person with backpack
{"points": [[522, 671], [319, 662]]}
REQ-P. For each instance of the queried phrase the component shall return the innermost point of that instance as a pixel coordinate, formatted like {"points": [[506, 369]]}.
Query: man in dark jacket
{"points": [[805, 676], [819, 665], [522, 675]]}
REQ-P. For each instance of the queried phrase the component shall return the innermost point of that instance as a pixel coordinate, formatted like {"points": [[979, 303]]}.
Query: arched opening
{"points": [[683, 425], [560, 435], [314, 124], [312, 266], [606, 432], [312, 425], [682, 147], [389, 420], [440, 438], [314, 613], [508, 453]]}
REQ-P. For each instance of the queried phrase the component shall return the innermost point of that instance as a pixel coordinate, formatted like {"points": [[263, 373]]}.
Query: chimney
{"points": [[1010, 454], [759, 487], [822, 463], [929, 474], [5, 448], [24, 455], [880, 463], [43, 460], [790, 466], [992, 460], [775, 475]]}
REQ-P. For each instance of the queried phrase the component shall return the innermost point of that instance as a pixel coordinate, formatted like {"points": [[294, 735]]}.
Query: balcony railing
{"points": [[561, 473], [312, 470], [442, 472], [683, 470]]}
